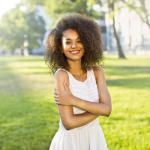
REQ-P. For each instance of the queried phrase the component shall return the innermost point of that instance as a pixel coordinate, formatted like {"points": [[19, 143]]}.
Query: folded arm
{"points": [[69, 119], [102, 108]]}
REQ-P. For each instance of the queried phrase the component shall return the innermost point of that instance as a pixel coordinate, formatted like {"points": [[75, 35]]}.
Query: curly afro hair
{"points": [[90, 36]]}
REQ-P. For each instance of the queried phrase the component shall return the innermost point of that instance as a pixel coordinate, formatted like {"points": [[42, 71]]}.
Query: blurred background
{"points": [[28, 115], [24, 25]]}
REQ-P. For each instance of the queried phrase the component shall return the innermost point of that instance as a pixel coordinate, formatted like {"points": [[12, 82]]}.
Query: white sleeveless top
{"points": [[89, 136]]}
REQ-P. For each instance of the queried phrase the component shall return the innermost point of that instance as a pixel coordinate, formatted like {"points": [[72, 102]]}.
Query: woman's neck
{"points": [[75, 68]]}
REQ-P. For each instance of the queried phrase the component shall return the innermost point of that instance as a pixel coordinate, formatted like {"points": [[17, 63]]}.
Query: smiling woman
{"points": [[72, 46], [73, 49], [89, 34]]}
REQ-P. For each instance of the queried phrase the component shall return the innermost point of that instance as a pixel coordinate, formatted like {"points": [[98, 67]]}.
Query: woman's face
{"points": [[72, 46]]}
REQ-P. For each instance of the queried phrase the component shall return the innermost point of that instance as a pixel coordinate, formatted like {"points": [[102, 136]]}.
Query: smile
{"points": [[74, 52]]}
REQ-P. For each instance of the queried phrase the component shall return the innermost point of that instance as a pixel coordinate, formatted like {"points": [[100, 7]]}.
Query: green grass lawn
{"points": [[29, 117]]}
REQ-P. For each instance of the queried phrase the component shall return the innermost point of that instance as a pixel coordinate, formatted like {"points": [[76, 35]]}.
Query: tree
{"points": [[36, 30], [141, 10], [14, 24], [56, 9], [112, 12]]}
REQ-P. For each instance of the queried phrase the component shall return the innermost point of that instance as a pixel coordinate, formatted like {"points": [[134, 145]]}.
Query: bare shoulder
{"points": [[59, 77], [97, 68], [61, 74], [98, 71]]}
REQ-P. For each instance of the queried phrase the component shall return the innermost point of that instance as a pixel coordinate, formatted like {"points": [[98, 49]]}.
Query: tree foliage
{"points": [[57, 8], [14, 24]]}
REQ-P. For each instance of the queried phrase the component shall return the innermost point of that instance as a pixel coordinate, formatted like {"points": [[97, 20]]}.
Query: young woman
{"points": [[74, 54]]}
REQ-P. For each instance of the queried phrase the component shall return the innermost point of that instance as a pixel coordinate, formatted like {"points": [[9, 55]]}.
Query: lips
{"points": [[75, 52]]}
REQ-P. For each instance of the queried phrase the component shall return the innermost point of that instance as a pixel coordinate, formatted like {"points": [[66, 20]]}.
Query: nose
{"points": [[74, 44]]}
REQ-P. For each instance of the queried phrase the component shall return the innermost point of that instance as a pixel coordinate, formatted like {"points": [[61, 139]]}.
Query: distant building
{"points": [[134, 34]]}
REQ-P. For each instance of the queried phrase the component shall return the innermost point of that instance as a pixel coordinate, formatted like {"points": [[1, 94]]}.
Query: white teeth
{"points": [[74, 52]]}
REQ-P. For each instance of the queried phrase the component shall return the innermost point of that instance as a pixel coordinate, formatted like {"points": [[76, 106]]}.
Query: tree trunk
{"points": [[145, 11], [120, 51], [148, 23]]}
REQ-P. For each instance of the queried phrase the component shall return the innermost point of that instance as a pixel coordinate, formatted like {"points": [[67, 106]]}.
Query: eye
{"points": [[68, 42], [79, 41]]}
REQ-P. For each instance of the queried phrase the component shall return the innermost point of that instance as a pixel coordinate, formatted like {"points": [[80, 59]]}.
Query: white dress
{"points": [[89, 136]]}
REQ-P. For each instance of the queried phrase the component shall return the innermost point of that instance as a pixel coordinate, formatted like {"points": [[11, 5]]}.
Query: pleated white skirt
{"points": [[90, 139]]}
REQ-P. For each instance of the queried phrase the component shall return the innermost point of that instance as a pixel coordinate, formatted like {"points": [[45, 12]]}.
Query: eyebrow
{"points": [[70, 39]]}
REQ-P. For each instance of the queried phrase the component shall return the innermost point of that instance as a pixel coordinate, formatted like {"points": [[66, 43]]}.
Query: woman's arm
{"points": [[69, 119], [102, 108]]}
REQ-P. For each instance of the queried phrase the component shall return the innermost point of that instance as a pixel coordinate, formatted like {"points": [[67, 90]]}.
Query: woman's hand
{"points": [[63, 98]]}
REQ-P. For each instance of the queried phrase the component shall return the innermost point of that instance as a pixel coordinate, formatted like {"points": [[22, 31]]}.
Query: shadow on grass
{"points": [[133, 83], [136, 82], [147, 118], [124, 70], [117, 118]]}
